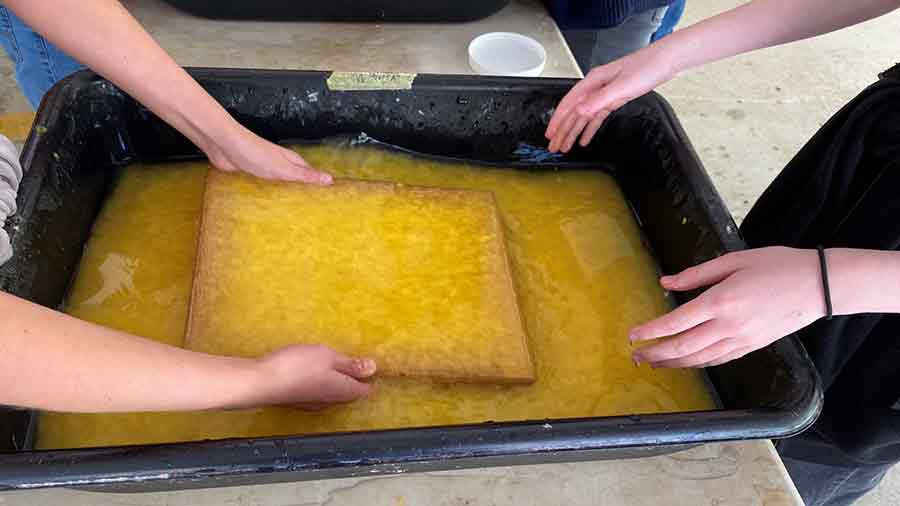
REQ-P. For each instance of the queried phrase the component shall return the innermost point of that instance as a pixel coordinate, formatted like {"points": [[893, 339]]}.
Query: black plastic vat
{"points": [[85, 126]]}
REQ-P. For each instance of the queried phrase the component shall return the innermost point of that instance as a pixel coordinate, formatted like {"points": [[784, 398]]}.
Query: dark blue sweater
{"points": [[575, 14]]}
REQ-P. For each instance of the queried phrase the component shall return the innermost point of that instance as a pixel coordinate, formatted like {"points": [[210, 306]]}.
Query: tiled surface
{"points": [[746, 117]]}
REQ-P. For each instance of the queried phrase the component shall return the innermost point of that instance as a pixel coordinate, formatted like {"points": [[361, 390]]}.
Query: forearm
{"points": [[49, 360], [864, 281], [765, 23], [104, 36]]}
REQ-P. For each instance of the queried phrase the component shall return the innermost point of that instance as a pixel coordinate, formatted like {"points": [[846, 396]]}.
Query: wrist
{"points": [[840, 265], [215, 134], [236, 384], [677, 53], [664, 65], [863, 281], [204, 122], [809, 283]]}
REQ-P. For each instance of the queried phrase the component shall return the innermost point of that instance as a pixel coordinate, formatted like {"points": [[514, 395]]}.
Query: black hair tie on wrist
{"points": [[823, 267]]}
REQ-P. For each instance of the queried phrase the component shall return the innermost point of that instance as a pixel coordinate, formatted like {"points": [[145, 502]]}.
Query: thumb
{"points": [[302, 171], [343, 388], [359, 368]]}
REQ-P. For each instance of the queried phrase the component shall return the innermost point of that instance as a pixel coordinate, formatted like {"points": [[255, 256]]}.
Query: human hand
{"points": [[308, 377], [758, 297], [605, 89], [250, 153]]}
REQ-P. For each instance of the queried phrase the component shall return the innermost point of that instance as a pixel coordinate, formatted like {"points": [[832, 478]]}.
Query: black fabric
{"points": [[594, 14], [843, 190], [826, 484]]}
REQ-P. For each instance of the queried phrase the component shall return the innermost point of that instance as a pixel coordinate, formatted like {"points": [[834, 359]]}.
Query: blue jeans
{"points": [[670, 20], [39, 64], [601, 46]]}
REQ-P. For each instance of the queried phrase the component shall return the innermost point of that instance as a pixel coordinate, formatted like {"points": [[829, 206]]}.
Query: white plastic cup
{"points": [[507, 54]]}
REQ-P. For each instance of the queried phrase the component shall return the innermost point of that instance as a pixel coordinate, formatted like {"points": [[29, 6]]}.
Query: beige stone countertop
{"points": [[735, 473], [738, 474], [397, 47]]}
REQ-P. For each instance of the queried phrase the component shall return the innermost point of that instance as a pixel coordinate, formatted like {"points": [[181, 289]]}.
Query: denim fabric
{"points": [[670, 20], [39, 64]]}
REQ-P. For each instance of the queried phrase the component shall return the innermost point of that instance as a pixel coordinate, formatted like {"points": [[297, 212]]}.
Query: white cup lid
{"points": [[507, 54]]}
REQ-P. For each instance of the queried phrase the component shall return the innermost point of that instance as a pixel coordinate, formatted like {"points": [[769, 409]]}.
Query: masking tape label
{"points": [[352, 81]]}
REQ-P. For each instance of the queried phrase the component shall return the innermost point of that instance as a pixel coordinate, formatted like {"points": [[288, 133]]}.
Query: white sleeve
{"points": [[10, 175]]}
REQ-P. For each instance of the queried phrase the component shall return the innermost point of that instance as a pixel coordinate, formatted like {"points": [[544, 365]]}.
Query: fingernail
{"points": [[636, 358], [368, 365], [325, 178]]}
